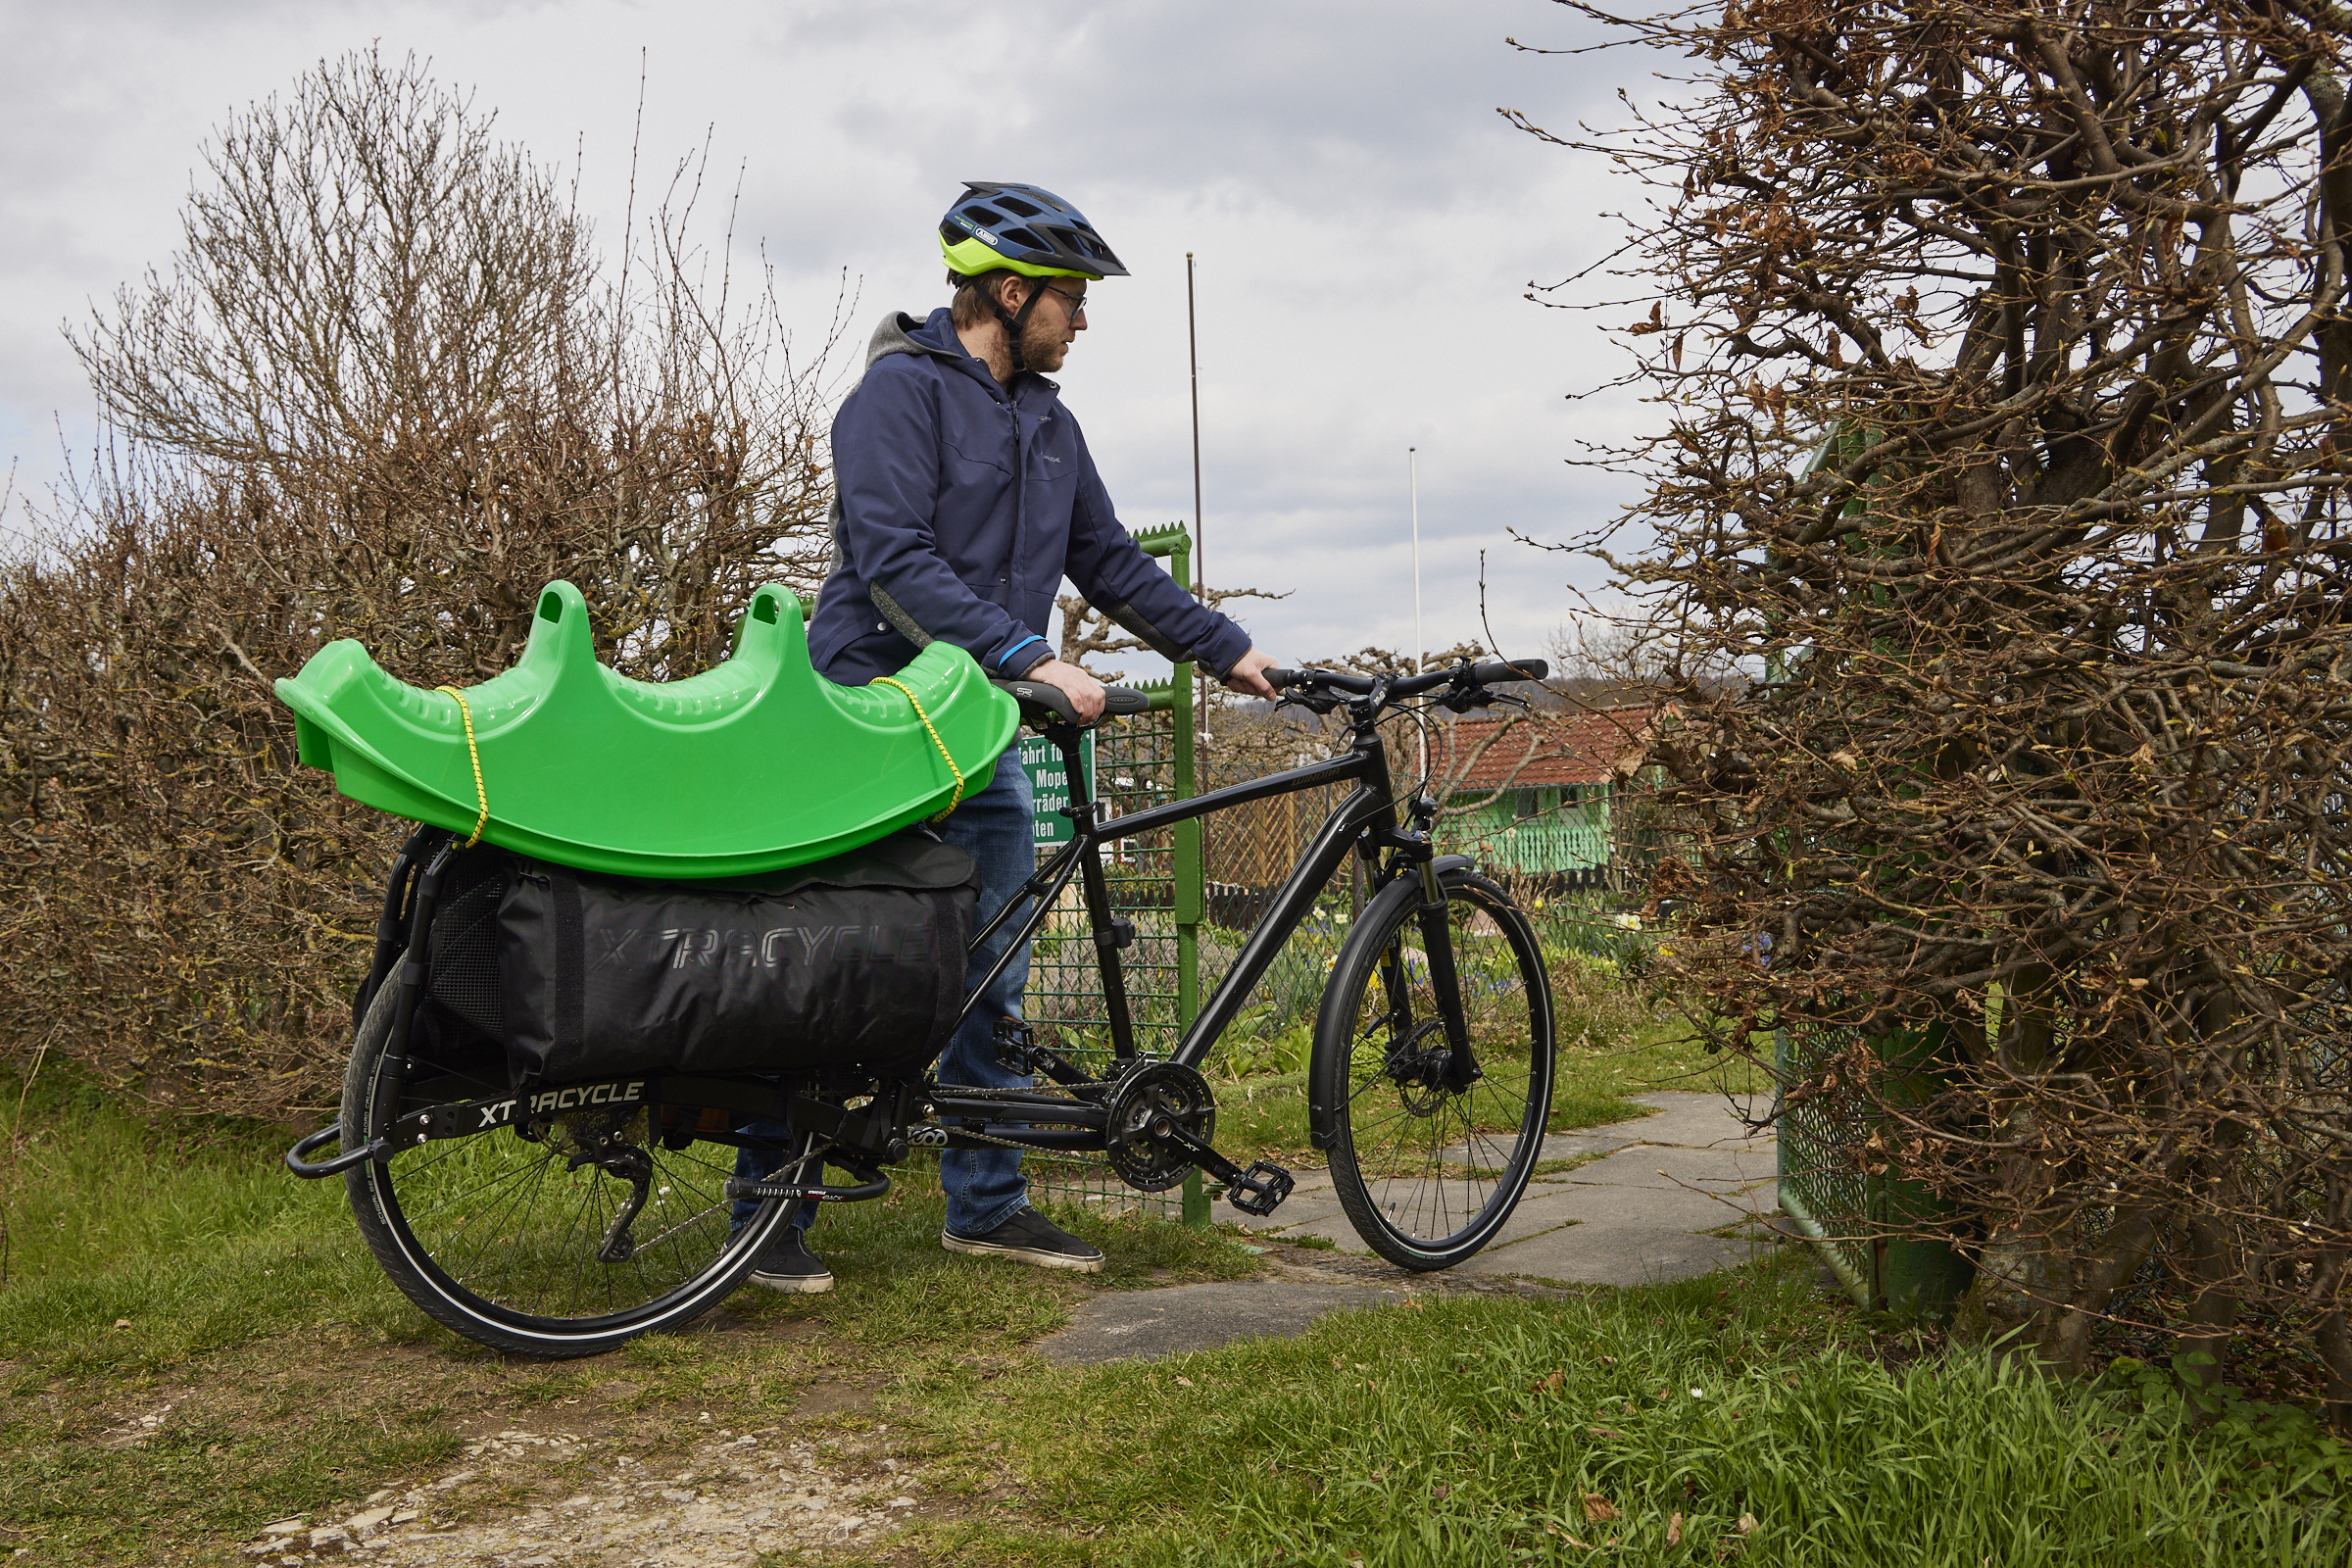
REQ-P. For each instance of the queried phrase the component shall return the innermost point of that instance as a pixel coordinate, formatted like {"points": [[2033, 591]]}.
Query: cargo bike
{"points": [[555, 1197]]}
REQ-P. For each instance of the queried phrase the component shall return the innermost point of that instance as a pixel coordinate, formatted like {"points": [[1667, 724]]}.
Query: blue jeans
{"points": [[985, 1186]]}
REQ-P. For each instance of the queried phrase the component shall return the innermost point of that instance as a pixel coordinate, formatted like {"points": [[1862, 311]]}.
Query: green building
{"points": [[1531, 793]]}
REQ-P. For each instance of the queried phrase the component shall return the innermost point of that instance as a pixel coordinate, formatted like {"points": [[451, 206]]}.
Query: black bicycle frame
{"points": [[1365, 821]]}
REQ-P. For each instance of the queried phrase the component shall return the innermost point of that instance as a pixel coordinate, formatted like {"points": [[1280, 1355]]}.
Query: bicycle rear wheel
{"points": [[511, 1241], [1428, 1170]]}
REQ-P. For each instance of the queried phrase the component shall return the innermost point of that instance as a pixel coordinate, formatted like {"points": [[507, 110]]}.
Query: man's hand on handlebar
{"points": [[1083, 690], [1247, 676]]}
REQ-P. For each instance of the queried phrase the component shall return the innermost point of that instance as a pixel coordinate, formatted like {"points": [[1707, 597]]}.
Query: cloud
{"points": [[1364, 226]]}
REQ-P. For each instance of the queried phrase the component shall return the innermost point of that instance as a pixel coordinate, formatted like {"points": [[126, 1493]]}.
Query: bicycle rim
{"points": [[1427, 1173], [509, 1242]]}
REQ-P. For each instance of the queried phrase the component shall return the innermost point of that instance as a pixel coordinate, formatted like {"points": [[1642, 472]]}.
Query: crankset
{"points": [[1161, 1122], [1149, 1103]]}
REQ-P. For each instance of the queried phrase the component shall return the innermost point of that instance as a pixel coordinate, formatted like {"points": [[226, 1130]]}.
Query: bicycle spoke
{"points": [[1435, 1170]]}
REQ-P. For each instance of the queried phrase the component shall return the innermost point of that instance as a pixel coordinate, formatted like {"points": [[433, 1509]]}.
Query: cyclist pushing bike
{"points": [[658, 955], [965, 494]]}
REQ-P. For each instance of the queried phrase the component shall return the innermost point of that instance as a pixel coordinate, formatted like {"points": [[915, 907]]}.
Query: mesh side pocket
{"points": [[464, 946]]}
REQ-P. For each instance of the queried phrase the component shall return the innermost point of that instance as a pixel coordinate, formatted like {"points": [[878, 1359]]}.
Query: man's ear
{"points": [[1014, 292]]}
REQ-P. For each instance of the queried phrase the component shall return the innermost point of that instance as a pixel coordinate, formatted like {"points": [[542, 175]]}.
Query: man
{"points": [[964, 494]]}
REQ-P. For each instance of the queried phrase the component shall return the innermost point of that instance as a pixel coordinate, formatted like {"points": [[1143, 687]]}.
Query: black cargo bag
{"points": [[853, 961]]}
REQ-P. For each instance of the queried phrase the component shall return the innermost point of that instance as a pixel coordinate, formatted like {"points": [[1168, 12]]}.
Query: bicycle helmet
{"points": [[1025, 229], [1028, 229]]}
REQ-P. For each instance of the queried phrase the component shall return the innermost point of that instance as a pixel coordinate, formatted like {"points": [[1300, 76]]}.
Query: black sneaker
{"points": [[789, 1266], [1030, 1238]]}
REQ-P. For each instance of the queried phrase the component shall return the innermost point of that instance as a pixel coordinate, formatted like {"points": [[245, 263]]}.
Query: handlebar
{"points": [[1488, 672], [1041, 701]]}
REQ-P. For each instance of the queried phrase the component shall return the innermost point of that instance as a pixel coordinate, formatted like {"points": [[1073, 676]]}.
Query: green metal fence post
{"points": [[1190, 896]]}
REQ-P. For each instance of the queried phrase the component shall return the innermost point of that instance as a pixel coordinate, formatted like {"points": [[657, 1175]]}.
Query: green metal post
{"points": [[1174, 546]]}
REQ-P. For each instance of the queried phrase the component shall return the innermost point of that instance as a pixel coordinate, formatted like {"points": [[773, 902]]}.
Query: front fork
{"points": [[1460, 1069]]}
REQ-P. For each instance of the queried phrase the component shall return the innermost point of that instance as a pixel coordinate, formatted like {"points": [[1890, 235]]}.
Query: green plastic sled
{"points": [[758, 764]]}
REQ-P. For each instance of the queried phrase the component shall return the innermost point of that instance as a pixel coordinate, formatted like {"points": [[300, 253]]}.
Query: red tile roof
{"points": [[1535, 751]]}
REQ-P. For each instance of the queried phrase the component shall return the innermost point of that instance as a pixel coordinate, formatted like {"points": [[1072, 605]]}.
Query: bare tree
{"points": [[383, 391], [2005, 365]]}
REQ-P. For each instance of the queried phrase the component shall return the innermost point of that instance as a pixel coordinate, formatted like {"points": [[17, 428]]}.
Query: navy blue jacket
{"points": [[959, 505]]}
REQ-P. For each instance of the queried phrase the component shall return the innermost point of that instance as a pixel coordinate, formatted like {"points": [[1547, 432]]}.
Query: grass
{"points": [[1712, 1420], [194, 1343]]}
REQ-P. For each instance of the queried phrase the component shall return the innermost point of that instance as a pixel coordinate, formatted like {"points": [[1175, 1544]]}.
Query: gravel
{"points": [[723, 1504]]}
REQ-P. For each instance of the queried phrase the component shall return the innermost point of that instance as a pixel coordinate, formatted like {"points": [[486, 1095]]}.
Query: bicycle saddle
{"points": [[754, 765]]}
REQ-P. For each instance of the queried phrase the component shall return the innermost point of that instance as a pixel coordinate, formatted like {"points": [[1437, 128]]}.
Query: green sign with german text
{"points": [[1041, 761]]}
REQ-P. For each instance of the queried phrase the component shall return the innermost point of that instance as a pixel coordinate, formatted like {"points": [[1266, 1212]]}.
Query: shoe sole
{"points": [[794, 1284], [1022, 1254]]}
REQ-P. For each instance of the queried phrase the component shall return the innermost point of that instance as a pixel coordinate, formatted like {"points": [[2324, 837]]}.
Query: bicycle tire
{"points": [[1426, 1174], [492, 1237]]}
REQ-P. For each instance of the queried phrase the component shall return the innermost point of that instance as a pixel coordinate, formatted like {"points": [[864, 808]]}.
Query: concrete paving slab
{"points": [[1332, 1227], [1609, 1255], [1688, 1120], [1567, 1146], [1662, 1211], [1668, 1167], [1145, 1325], [1297, 1213]]}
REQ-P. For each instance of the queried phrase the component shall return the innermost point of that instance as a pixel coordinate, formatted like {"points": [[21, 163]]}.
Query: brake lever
{"points": [[1314, 704]]}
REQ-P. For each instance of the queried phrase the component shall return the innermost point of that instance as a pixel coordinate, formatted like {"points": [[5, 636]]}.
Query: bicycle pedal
{"points": [[1260, 1189], [1016, 1046]]}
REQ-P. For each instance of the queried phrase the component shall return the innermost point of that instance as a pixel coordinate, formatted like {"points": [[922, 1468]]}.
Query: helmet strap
{"points": [[1013, 321]]}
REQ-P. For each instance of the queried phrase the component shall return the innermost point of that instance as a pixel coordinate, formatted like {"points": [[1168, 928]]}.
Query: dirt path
{"points": [[726, 1500]]}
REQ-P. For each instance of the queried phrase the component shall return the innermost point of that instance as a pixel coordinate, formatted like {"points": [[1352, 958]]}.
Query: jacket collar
{"points": [[935, 335]]}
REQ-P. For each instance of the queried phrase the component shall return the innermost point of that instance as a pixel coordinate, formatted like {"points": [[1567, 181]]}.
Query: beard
{"points": [[1041, 347]]}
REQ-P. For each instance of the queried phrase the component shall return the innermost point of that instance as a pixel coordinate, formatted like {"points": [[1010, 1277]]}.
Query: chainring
{"points": [[1148, 1099]]}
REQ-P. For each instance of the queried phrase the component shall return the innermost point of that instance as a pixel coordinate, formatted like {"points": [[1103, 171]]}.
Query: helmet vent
{"points": [[1022, 236], [1015, 205], [983, 214]]}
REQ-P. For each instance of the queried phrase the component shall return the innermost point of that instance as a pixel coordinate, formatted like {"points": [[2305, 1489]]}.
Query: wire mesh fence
{"points": [[1820, 1189], [1135, 767]]}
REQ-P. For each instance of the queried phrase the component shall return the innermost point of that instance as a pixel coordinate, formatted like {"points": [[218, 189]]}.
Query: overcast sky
{"points": [[1366, 226]]}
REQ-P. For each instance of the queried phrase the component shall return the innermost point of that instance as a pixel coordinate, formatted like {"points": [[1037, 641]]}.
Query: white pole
{"points": [[1412, 469], [1412, 482]]}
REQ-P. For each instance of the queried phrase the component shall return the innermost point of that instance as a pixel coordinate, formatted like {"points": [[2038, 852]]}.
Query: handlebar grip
{"points": [[1053, 699], [1280, 678], [1492, 670]]}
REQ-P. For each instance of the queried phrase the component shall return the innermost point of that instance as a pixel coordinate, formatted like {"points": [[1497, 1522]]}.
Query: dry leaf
{"points": [[1673, 1530], [1747, 1523], [1549, 1383], [122, 1322], [1599, 1510], [1184, 1383]]}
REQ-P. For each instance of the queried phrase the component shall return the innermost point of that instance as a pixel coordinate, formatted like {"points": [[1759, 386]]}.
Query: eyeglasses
{"points": [[1075, 302]]}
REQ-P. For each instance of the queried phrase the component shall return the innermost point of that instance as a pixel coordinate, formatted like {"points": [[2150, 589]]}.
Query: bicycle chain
{"points": [[1060, 1155]]}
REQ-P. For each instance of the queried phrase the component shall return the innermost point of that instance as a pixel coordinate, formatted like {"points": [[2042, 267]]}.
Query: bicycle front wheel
{"points": [[1429, 1155], [530, 1243]]}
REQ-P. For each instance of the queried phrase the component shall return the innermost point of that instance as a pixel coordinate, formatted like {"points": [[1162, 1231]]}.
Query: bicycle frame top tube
{"points": [[1369, 806]]}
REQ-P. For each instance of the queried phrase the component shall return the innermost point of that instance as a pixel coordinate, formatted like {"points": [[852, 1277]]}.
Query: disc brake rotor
{"points": [[1417, 1064], [1149, 1099]]}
